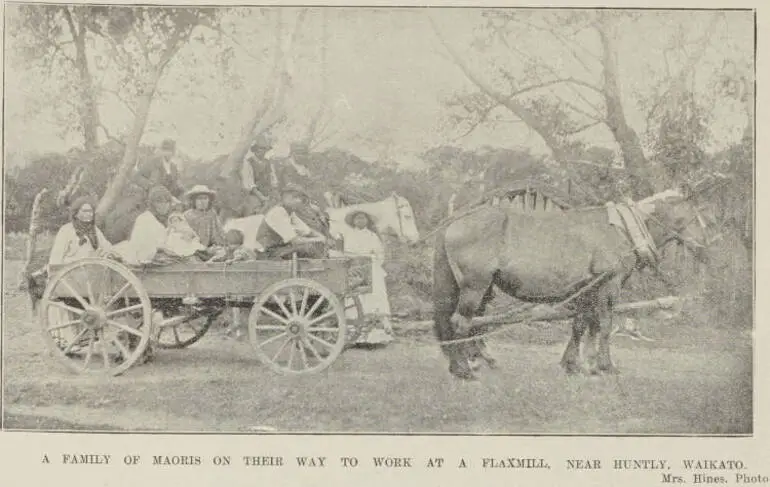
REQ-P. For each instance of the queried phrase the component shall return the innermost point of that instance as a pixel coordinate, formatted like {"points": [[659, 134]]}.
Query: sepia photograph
{"points": [[463, 221]]}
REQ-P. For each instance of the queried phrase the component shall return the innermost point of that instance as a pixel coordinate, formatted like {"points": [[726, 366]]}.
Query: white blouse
{"points": [[67, 248]]}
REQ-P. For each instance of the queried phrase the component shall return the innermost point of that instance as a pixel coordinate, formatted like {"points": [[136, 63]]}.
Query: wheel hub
{"points": [[295, 328], [94, 319]]}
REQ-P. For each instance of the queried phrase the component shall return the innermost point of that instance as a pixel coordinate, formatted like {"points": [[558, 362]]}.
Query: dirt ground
{"points": [[691, 380]]}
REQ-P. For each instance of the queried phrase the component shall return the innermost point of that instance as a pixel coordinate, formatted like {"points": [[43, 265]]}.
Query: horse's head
{"points": [[400, 222], [673, 216]]}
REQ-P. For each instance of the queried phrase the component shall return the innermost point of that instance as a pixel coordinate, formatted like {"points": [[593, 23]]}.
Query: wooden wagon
{"points": [[99, 316]]}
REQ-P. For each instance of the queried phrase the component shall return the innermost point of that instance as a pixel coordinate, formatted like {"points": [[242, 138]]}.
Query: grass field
{"points": [[696, 378]]}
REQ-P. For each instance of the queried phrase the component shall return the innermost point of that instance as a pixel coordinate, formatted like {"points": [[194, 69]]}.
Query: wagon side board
{"points": [[342, 276]]}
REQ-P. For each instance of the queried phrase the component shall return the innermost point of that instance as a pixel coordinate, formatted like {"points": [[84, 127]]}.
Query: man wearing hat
{"points": [[259, 176], [160, 170], [201, 216], [283, 233]]}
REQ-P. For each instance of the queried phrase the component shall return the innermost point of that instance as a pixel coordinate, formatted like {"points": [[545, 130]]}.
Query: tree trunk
{"points": [[625, 136], [267, 113], [88, 108], [117, 184]]}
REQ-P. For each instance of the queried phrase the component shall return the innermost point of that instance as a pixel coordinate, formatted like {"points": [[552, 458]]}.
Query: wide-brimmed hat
{"points": [[295, 188], [352, 215], [168, 144], [200, 189]]}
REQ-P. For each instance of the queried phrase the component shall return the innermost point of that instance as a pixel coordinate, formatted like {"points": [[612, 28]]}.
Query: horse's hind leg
{"points": [[481, 346], [570, 361], [604, 329]]}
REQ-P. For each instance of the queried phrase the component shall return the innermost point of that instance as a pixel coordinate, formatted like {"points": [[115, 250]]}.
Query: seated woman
{"points": [[80, 238], [202, 217], [360, 238], [76, 240], [149, 233]]}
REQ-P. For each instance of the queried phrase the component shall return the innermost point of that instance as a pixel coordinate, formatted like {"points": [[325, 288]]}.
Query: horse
{"points": [[392, 215], [547, 258]]}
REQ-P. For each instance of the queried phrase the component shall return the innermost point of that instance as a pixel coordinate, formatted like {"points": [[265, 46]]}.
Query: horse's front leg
{"points": [[570, 361], [470, 300], [603, 359]]}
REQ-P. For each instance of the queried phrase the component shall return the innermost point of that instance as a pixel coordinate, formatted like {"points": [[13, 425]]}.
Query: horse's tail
{"points": [[445, 292]]}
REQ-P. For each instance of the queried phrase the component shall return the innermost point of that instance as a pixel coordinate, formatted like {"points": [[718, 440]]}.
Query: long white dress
{"points": [[366, 242], [67, 248]]}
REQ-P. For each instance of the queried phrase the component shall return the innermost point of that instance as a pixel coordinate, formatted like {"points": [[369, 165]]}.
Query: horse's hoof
{"points": [[462, 372], [571, 368], [609, 370]]}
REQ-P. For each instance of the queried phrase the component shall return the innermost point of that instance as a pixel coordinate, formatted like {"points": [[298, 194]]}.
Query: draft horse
{"points": [[547, 258]]}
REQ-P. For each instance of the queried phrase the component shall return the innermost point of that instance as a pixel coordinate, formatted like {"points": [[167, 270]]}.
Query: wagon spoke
{"points": [[315, 306], [283, 320], [321, 340], [323, 317], [327, 330], [74, 293], [281, 305], [135, 307], [272, 339], [66, 307], [302, 355], [75, 340], [89, 354], [309, 346], [176, 335], [125, 328], [63, 325], [271, 327], [117, 295], [293, 300], [105, 354], [280, 350], [292, 351], [90, 291], [305, 294]]}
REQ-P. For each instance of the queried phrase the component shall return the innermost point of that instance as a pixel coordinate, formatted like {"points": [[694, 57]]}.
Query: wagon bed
{"points": [[307, 309]]}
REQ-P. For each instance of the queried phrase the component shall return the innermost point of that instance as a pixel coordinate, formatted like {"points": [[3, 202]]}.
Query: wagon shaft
{"points": [[544, 312]]}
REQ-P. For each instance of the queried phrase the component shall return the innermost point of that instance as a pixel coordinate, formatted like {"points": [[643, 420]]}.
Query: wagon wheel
{"points": [[297, 326], [189, 330], [96, 307]]}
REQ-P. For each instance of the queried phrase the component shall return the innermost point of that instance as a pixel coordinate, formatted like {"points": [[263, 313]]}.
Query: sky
{"points": [[388, 78]]}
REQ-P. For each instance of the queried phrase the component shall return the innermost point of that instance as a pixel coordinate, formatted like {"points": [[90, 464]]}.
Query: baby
{"points": [[233, 251], [181, 240]]}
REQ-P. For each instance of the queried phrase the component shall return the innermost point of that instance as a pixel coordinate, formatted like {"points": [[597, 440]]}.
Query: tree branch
{"points": [[582, 128]]}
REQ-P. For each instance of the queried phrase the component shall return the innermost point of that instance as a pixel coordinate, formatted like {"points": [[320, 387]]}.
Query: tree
{"points": [[554, 105], [142, 43], [268, 109], [53, 38]]}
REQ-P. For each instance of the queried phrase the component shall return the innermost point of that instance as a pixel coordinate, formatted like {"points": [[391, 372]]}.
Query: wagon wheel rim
{"points": [[100, 328], [184, 334], [297, 326]]}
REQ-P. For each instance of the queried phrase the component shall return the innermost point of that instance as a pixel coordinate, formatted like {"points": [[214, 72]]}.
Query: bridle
{"points": [[676, 234]]}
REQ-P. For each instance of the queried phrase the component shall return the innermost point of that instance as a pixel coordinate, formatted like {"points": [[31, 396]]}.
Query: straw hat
{"points": [[200, 189], [352, 215]]}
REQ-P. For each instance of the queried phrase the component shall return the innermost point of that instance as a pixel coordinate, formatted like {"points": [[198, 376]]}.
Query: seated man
{"points": [[283, 233]]}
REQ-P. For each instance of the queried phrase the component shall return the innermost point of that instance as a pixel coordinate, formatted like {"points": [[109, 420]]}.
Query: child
{"points": [[233, 251], [181, 239]]}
